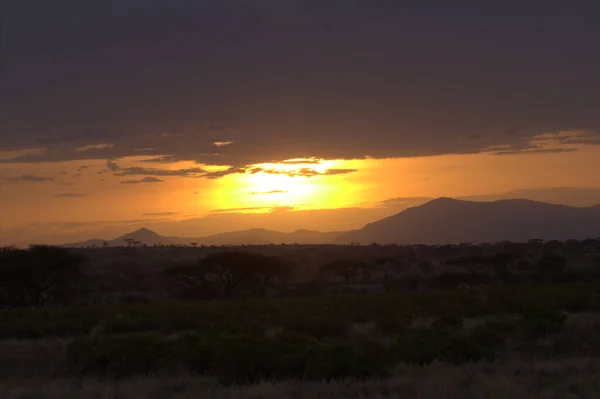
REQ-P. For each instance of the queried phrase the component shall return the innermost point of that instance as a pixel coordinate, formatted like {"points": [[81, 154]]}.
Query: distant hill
{"points": [[440, 221], [263, 237], [246, 237], [451, 221], [142, 235]]}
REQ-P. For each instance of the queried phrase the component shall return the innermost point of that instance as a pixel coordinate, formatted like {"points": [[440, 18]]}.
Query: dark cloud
{"points": [[142, 181], [135, 171], [113, 167], [27, 178], [535, 151], [302, 161], [323, 79], [162, 159], [70, 195], [339, 171]]}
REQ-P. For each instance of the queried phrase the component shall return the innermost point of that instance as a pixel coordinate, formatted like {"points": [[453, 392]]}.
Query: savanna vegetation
{"points": [[246, 315]]}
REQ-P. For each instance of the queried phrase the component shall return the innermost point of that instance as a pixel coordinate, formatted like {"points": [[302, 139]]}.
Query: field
{"points": [[531, 330]]}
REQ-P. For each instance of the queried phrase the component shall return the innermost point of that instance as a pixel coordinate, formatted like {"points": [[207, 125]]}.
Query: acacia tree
{"points": [[225, 273], [345, 268], [34, 276]]}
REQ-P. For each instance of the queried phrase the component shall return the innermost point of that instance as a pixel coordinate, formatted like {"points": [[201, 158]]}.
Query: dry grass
{"points": [[567, 378]]}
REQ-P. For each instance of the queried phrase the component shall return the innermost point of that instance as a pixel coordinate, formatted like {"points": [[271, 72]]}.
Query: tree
{"points": [[224, 273], [348, 269], [551, 266], [37, 275], [130, 242], [386, 265]]}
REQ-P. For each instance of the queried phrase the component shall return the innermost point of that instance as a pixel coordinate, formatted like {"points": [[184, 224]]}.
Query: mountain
{"points": [[440, 221], [264, 237], [451, 221], [143, 235], [245, 237]]}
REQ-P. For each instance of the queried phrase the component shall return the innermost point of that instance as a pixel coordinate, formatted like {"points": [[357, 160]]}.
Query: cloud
{"points": [[160, 214], [304, 172], [70, 195], [330, 172], [282, 209], [144, 180], [161, 159], [66, 184], [233, 210], [535, 151], [223, 143], [547, 143], [381, 106], [302, 161], [113, 167], [135, 171], [27, 178], [9, 155], [91, 147]]}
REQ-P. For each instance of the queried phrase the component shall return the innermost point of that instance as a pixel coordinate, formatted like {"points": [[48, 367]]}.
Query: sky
{"points": [[199, 117]]}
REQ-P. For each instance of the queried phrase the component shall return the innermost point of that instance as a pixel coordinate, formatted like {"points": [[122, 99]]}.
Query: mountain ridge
{"points": [[442, 220]]}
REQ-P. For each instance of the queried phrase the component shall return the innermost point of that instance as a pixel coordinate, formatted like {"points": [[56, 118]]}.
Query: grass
{"points": [[351, 336], [567, 378], [319, 316]]}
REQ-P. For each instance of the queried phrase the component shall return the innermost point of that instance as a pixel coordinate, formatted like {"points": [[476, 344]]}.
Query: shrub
{"points": [[119, 357]]}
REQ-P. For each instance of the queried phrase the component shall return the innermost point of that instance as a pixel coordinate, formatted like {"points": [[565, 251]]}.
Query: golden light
{"points": [[297, 183]]}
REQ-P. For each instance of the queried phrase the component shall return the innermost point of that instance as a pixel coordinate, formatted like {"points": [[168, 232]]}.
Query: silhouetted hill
{"points": [[246, 237], [263, 237], [451, 221], [143, 235]]}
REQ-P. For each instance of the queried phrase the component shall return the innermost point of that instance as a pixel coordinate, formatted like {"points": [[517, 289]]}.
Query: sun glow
{"points": [[297, 183]]}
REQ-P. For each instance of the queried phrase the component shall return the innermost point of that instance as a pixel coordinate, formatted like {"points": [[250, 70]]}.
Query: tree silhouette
{"points": [[34, 276], [224, 273], [348, 269], [550, 266]]}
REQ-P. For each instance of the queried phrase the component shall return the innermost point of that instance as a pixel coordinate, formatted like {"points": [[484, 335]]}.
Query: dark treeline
{"points": [[46, 275]]}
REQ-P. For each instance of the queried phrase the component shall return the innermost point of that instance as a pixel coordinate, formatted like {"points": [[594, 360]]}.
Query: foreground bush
{"points": [[241, 359]]}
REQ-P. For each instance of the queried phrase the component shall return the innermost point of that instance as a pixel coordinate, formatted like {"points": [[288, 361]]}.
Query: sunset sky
{"points": [[199, 117]]}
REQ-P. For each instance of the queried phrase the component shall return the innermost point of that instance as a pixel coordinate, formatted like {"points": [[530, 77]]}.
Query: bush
{"points": [[118, 356], [423, 346]]}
